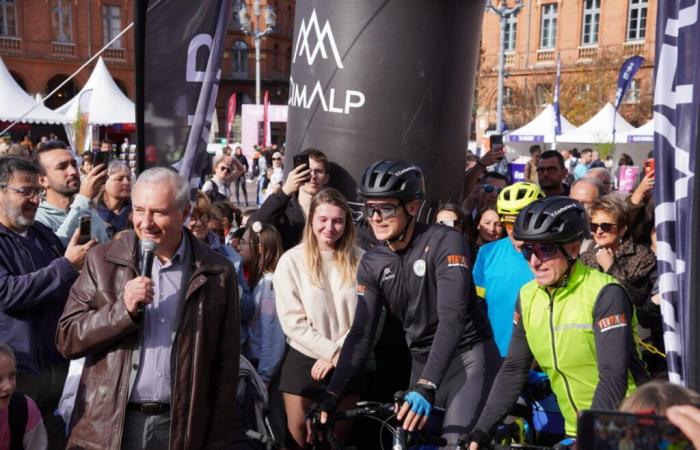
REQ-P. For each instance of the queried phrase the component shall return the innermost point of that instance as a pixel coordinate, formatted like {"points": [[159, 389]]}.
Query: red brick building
{"points": [[592, 37], [42, 42]]}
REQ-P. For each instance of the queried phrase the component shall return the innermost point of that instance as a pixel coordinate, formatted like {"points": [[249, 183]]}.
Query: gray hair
{"points": [[117, 166], [7, 351], [168, 175], [595, 182]]}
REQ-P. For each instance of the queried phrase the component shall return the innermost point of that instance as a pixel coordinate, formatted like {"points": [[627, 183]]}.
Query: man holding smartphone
{"points": [[67, 199], [287, 210]]}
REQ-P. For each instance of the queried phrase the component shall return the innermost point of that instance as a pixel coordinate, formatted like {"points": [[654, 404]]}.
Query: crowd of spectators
{"points": [[152, 367]]}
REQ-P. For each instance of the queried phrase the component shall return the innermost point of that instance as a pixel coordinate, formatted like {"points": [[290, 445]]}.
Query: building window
{"points": [[111, 25], [548, 28], [511, 30], [8, 18], [637, 20], [236, 20], [582, 91], [240, 59], [62, 21], [542, 94], [634, 92], [507, 96], [591, 22]]}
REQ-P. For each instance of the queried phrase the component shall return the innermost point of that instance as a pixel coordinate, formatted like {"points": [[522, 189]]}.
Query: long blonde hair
{"points": [[344, 254]]}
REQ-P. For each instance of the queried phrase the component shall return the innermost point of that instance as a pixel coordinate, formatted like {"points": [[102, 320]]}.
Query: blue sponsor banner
{"points": [[525, 138], [627, 71], [676, 100]]}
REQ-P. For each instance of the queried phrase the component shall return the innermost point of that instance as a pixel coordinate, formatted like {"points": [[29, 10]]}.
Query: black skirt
{"points": [[295, 377]]}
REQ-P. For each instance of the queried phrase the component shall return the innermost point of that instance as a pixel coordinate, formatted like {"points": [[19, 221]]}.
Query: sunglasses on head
{"points": [[385, 210], [544, 252], [606, 227], [450, 222], [489, 189]]}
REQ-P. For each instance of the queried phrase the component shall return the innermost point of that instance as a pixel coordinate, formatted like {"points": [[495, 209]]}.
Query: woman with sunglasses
{"points": [[577, 322], [226, 169], [614, 252], [315, 285]]}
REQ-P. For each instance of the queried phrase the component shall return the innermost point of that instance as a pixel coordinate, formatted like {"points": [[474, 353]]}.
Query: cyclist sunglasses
{"points": [[606, 227], [489, 189], [385, 210], [544, 252]]}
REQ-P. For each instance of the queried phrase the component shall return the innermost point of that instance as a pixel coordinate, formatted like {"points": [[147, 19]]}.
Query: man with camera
{"points": [[67, 199], [287, 210]]}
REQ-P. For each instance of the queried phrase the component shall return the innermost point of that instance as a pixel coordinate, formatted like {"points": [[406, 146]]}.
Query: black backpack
{"points": [[18, 413], [214, 195]]}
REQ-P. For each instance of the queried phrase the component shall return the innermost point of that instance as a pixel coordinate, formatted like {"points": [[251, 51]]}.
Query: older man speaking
{"points": [[162, 350]]}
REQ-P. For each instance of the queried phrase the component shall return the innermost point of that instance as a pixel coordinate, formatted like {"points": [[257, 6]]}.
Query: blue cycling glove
{"points": [[421, 399]]}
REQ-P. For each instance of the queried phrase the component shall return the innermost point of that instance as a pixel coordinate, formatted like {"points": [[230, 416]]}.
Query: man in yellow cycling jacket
{"points": [[577, 322]]}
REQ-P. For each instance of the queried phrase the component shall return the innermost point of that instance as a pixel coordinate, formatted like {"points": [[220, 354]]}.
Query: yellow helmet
{"points": [[517, 196]]}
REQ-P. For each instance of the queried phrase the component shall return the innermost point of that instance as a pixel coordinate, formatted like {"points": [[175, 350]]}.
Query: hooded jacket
{"points": [[64, 223]]}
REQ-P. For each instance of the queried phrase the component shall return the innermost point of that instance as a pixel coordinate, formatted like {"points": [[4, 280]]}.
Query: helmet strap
{"points": [[570, 261], [401, 236]]}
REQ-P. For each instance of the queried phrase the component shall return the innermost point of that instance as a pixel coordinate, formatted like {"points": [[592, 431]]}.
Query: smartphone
{"points": [[300, 159], [598, 430], [85, 230], [496, 142], [649, 166], [102, 158]]}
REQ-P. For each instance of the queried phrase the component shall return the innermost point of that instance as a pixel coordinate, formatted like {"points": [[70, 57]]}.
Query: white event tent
{"points": [[598, 129], [107, 105], [643, 134], [540, 129], [15, 103]]}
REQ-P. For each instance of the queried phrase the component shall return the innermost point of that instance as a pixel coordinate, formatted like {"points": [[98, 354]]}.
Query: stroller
{"points": [[252, 427]]}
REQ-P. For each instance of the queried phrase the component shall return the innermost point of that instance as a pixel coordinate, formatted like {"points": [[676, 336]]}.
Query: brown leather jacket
{"points": [[204, 359]]}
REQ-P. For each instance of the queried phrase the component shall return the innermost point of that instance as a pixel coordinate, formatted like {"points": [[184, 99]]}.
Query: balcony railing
{"points": [[10, 44], [115, 53], [634, 48], [510, 59], [63, 49], [587, 53], [545, 56]]}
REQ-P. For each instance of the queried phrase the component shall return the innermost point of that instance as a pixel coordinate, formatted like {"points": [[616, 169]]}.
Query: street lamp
{"points": [[249, 29], [503, 11]]}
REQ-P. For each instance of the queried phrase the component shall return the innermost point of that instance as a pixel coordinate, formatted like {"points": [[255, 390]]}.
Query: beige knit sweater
{"points": [[314, 319]]}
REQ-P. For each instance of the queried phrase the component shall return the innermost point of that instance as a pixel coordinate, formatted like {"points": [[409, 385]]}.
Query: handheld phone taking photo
{"points": [[496, 142], [598, 430], [649, 166], [85, 230], [101, 158], [300, 159]]}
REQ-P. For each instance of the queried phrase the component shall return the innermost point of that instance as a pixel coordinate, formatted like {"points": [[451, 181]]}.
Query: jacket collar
{"points": [[125, 251]]}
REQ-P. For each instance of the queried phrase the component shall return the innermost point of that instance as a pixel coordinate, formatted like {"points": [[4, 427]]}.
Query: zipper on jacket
{"points": [[554, 352]]}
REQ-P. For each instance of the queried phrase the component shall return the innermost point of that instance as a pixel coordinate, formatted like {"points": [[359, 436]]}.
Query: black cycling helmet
{"points": [[392, 179], [556, 220]]}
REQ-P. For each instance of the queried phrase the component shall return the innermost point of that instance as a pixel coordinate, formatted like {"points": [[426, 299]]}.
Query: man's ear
{"points": [[413, 206], [574, 248], [43, 181]]}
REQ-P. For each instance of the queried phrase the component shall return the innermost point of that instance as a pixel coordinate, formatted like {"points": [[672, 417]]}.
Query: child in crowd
{"points": [[261, 248], [21, 426]]}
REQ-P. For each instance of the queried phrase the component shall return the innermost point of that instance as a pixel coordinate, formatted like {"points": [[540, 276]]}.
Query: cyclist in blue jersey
{"points": [[500, 269]]}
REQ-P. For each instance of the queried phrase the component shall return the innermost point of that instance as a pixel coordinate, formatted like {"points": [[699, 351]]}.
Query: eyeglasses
{"points": [[26, 192], [225, 169], [204, 218], [385, 210], [450, 222], [544, 252], [550, 169], [606, 227], [490, 189]]}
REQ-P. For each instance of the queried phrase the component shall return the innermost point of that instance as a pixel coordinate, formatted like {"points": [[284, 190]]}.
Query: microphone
{"points": [[148, 247]]}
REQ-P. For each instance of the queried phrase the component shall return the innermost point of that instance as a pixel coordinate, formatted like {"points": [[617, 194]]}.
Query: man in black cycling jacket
{"points": [[421, 275]]}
